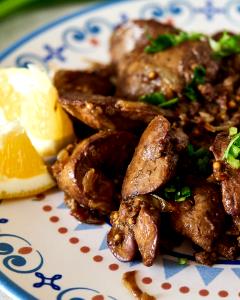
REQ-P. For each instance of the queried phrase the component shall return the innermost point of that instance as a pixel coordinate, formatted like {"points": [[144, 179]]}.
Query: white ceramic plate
{"points": [[44, 252]]}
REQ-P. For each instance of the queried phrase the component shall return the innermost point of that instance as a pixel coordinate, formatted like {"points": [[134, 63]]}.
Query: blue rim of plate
{"points": [[6, 283], [10, 287]]}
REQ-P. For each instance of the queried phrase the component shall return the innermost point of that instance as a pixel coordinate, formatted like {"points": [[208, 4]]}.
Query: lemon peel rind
{"points": [[19, 188]]}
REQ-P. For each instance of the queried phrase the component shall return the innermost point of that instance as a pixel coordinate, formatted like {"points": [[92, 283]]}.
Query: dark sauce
{"points": [[129, 281]]}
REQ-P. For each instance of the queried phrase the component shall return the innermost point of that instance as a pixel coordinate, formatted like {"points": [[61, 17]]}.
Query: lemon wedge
{"points": [[28, 95], [22, 170]]}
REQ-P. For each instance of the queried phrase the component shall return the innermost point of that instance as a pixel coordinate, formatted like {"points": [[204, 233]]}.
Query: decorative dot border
{"points": [[184, 289], [98, 258], [147, 280], [223, 294], [85, 249], [202, 292], [47, 208], [25, 250], [54, 219], [98, 297], [113, 267], [62, 230], [74, 240], [167, 286]]}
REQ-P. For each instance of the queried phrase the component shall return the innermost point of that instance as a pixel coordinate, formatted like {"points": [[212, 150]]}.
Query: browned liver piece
{"points": [[135, 226], [84, 81], [226, 247], [146, 233], [206, 258], [121, 240], [201, 218], [229, 177], [134, 34], [83, 213], [153, 162], [168, 72], [88, 174], [101, 112]]}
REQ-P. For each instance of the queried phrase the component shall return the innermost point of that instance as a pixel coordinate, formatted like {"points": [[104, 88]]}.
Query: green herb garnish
{"points": [[232, 153], [233, 131], [182, 261], [190, 90], [196, 153], [168, 40], [158, 99], [183, 194], [200, 157], [226, 45], [199, 74], [175, 191]]}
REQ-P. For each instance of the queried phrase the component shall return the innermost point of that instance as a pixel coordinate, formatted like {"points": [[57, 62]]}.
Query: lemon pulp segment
{"points": [[22, 171]]}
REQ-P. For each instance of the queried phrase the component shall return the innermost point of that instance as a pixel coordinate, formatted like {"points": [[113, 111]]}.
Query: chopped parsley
{"points": [[168, 40], [232, 153], [226, 45], [182, 261], [200, 157], [175, 191], [199, 75], [158, 99], [233, 131]]}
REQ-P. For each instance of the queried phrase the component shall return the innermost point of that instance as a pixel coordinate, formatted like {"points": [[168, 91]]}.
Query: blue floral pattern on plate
{"points": [[78, 39]]}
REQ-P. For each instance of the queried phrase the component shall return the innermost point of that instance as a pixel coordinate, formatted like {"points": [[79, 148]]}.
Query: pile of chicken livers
{"points": [[158, 148]]}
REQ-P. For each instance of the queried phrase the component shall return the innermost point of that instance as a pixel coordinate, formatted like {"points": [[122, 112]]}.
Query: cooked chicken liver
{"points": [[83, 213], [101, 112], [88, 174], [153, 162], [134, 34], [168, 71], [229, 177], [87, 82], [135, 226], [201, 218], [146, 233]]}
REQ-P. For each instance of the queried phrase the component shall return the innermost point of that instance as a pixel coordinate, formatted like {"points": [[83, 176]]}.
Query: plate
{"points": [[44, 252]]}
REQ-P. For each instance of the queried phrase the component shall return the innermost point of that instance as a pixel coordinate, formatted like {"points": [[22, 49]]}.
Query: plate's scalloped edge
{"points": [[12, 289], [95, 6]]}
